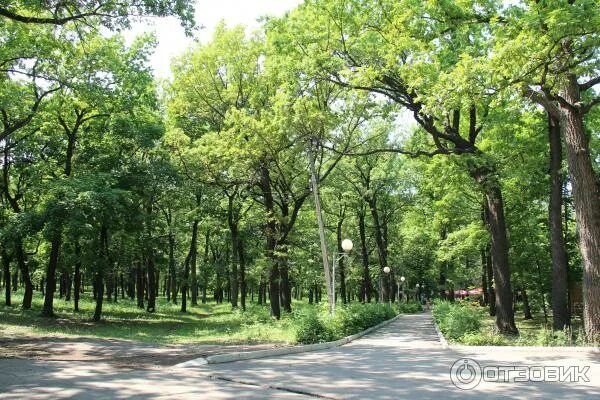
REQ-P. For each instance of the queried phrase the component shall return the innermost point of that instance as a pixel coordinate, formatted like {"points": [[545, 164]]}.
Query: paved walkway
{"points": [[402, 360]]}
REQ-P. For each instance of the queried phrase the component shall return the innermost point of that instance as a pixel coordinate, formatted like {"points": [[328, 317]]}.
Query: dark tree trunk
{"points": [[366, 276], [190, 262], [48, 309], [496, 225], [77, 277], [172, 268], [526, 308], [151, 282], [484, 280], [6, 268], [381, 249], [560, 312], [341, 268], [232, 220], [586, 197], [285, 289], [140, 283], [103, 265], [490, 282], [242, 258], [24, 268], [271, 234]]}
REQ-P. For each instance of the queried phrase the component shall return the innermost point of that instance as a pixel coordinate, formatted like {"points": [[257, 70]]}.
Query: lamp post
{"points": [[387, 271], [402, 279], [400, 283], [417, 292], [347, 246]]}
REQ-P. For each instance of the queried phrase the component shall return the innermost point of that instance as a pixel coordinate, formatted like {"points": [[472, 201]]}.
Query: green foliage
{"points": [[317, 326], [457, 319], [312, 328], [411, 307]]}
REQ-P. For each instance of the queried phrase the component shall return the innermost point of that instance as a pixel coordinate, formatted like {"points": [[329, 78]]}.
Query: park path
{"points": [[405, 359], [401, 360]]}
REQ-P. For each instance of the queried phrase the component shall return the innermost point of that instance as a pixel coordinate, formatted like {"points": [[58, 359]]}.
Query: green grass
{"points": [[203, 324], [532, 332]]}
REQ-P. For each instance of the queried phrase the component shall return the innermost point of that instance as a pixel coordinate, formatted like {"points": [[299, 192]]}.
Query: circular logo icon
{"points": [[465, 373]]}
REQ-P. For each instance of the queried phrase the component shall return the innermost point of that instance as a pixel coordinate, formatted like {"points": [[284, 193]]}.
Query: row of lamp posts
{"points": [[347, 246]]}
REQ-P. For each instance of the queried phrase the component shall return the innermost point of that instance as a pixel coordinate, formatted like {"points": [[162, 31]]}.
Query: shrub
{"points": [[316, 327], [456, 320], [548, 337], [410, 308], [311, 329], [354, 318], [483, 339]]}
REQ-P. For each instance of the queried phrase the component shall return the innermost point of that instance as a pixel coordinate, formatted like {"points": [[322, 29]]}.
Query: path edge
{"points": [[251, 355], [463, 347]]}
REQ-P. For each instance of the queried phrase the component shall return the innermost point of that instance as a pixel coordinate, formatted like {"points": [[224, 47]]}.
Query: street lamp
{"points": [[402, 279], [417, 292], [347, 246], [387, 271]]}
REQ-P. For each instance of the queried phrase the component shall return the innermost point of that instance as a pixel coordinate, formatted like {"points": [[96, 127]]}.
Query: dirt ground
{"points": [[123, 354]]}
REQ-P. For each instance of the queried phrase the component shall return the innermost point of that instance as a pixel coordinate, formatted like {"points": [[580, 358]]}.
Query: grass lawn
{"points": [[468, 323], [204, 324]]}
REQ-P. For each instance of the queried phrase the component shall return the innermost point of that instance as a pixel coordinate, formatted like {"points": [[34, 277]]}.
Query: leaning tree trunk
{"points": [[560, 311], [586, 198], [485, 176]]}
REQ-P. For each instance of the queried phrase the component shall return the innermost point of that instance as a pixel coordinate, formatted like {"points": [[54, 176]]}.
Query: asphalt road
{"points": [[402, 360]]}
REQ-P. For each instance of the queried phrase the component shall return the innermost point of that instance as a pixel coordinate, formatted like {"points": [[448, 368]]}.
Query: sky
{"points": [[171, 37]]}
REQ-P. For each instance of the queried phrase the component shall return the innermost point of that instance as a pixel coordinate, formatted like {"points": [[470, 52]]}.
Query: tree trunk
{"points": [[233, 229], [6, 267], [586, 197], [366, 279], [151, 282], [77, 277], [271, 234], [484, 281], [381, 250], [242, 259], [48, 309], [285, 289], [485, 176], [24, 268], [139, 277], [103, 265], [526, 309], [560, 312], [341, 262], [172, 267]]}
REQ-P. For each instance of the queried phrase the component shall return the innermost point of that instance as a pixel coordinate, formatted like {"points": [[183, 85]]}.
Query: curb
{"points": [[441, 337], [575, 349], [551, 349], [250, 355]]}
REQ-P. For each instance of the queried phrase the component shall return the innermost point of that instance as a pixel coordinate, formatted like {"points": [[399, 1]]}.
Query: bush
{"points": [[410, 308], [456, 320], [548, 337], [483, 339], [317, 327], [311, 329], [355, 318]]}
